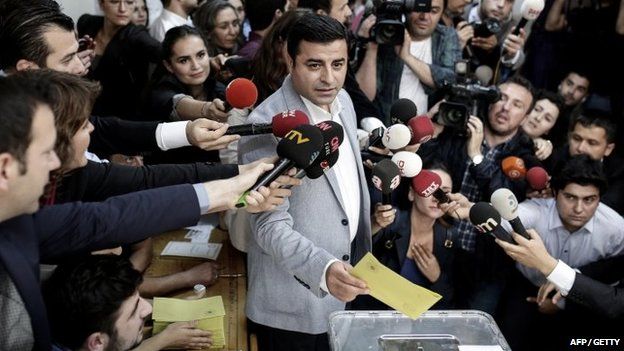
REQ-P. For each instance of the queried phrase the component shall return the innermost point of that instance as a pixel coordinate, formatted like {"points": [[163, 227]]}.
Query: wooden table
{"points": [[231, 285]]}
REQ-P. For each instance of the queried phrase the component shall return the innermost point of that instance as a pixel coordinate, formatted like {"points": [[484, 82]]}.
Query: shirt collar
{"points": [[318, 114], [555, 221], [175, 16]]}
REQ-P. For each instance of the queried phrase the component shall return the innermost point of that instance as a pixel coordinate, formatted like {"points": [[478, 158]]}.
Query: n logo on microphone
{"points": [[487, 226], [294, 134]]}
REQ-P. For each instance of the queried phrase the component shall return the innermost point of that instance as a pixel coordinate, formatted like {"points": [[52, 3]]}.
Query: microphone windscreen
{"points": [[333, 135], [241, 93], [386, 176], [284, 122], [321, 165], [302, 145], [409, 163], [402, 110], [371, 123], [421, 128], [426, 183], [397, 136], [484, 74], [514, 168], [506, 203], [537, 178], [484, 217], [531, 9]]}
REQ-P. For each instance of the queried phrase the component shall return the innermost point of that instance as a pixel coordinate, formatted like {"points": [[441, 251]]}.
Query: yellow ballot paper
{"points": [[392, 289], [209, 312]]}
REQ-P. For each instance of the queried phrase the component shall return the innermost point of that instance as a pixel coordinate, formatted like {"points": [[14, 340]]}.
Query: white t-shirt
{"points": [[410, 87]]}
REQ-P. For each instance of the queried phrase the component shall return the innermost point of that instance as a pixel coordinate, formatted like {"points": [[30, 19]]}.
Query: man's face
{"points": [[590, 141], [63, 48], [573, 89], [340, 11], [319, 70], [129, 324], [506, 115], [577, 204], [422, 24], [40, 159], [498, 9], [541, 119]]}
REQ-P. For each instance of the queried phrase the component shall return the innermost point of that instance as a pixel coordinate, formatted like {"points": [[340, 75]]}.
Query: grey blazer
{"points": [[292, 245]]}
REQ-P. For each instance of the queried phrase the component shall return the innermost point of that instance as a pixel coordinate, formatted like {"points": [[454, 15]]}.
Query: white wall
{"points": [[76, 8]]}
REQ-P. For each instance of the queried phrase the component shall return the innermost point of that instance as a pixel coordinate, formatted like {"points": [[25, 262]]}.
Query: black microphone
{"points": [[402, 111], [488, 221], [386, 178], [299, 148]]}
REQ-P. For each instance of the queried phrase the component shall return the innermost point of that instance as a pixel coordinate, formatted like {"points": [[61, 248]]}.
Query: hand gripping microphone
{"points": [[299, 148], [530, 10], [427, 183], [386, 178], [506, 203], [421, 129], [514, 168], [488, 221], [397, 136], [241, 93], [402, 110], [537, 177], [281, 124], [409, 163]]}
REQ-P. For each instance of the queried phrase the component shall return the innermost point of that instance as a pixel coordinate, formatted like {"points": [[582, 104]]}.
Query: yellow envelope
{"points": [[392, 289]]}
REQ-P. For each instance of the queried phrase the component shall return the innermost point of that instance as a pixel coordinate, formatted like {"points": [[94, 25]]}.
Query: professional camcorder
{"points": [[389, 27], [463, 98]]}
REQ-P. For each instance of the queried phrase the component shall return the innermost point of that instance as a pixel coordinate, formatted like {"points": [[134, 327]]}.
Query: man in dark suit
{"points": [[28, 236]]}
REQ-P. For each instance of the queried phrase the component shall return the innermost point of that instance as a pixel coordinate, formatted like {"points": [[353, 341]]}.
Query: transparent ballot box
{"points": [[463, 330]]}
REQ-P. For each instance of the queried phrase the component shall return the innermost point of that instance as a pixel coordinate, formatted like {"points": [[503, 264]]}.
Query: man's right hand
{"points": [[342, 285], [465, 32], [208, 134]]}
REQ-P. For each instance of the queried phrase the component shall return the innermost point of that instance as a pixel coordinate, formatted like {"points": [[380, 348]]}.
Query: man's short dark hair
{"points": [[84, 297], [22, 26], [581, 170], [315, 5], [554, 98], [595, 118], [19, 99], [520, 80], [314, 28], [261, 13]]}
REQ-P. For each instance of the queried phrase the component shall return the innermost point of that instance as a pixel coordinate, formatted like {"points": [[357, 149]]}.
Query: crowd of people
{"points": [[114, 129]]}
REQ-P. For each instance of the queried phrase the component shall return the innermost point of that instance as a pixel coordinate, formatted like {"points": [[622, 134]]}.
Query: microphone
{"points": [[488, 221], [319, 167], [371, 123], [299, 148], [514, 168], [241, 93], [386, 178], [421, 129], [506, 203], [427, 183], [537, 177], [397, 136], [484, 74], [409, 163], [281, 124], [530, 10], [402, 110]]}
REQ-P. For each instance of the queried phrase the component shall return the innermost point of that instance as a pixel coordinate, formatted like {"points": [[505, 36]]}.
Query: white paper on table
{"points": [[186, 249], [198, 235]]}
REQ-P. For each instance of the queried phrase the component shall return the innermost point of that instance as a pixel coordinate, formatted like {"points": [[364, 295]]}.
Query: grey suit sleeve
{"points": [[274, 233]]}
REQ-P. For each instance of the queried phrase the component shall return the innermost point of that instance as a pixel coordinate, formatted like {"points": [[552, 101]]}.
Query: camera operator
{"points": [[488, 34], [414, 66], [476, 173]]}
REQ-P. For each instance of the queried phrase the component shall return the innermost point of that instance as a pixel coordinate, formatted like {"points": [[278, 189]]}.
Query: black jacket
{"points": [[113, 135]]}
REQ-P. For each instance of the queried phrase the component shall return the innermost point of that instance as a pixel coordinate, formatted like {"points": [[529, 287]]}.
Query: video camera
{"points": [[389, 27], [463, 98], [486, 28]]}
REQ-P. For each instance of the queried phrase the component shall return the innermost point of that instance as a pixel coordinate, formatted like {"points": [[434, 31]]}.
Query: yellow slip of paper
{"points": [[392, 289], [209, 313]]}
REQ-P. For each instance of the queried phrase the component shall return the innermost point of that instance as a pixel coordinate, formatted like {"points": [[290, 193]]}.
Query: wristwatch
{"points": [[477, 159]]}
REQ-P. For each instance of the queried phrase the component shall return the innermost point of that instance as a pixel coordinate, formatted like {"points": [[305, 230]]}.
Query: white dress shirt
{"points": [[166, 21]]}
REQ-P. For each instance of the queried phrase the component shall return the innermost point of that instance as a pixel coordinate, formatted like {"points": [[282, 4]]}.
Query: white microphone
{"points": [[409, 163], [530, 10], [397, 136], [484, 74], [506, 203], [371, 123]]}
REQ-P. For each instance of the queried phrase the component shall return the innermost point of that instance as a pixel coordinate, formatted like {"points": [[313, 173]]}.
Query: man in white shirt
{"points": [[176, 13]]}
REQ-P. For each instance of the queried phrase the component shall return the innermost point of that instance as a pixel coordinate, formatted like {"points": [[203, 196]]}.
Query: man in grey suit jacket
{"points": [[301, 253]]}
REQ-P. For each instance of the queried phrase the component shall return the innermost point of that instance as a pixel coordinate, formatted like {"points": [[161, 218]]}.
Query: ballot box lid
{"points": [[462, 330]]}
